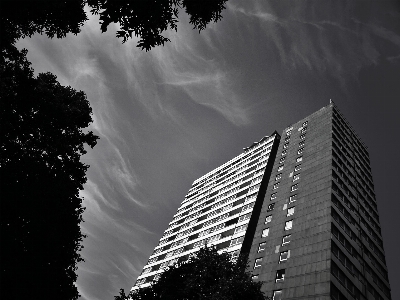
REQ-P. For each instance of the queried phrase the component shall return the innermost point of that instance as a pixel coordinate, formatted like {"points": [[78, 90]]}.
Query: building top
{"points": [[333, 104], [260, 141], [265, 139]]}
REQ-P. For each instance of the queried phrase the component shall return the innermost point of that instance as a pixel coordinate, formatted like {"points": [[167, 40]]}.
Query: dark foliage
{"points": [[41, 144], [149, 19], [209, 275], [42, 139], [21, 18], [144, 19]]}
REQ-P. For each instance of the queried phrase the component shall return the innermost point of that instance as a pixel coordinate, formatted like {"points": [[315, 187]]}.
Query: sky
{"points": [[170, 115]]}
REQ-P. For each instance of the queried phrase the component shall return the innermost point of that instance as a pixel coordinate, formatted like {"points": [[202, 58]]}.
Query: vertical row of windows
{"points": [[285, 254]]}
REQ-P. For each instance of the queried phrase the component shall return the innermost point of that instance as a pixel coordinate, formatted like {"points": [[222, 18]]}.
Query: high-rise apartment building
{"points": [[302, 205], [220, 209], [324, 239]]}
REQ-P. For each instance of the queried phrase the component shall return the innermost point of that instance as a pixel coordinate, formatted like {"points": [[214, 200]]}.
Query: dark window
{"points": [[244, 192], [280, 275], [231, 222]]}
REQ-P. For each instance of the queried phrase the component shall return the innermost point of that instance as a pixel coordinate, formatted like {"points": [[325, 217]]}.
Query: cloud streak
{"points": [[338, 43]]}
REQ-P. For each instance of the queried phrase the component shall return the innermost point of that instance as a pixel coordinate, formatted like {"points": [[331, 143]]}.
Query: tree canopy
{"points": [[40, 177], [43, 135], [207, 275], [146, 20]]}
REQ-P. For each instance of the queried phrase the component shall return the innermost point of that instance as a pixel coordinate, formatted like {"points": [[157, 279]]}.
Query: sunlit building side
{"points": [[221, 209]]}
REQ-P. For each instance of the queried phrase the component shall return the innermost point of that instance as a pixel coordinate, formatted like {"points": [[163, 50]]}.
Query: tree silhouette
{"points": [[144, 19], [40, 177], [208, 275], [42, 139]]}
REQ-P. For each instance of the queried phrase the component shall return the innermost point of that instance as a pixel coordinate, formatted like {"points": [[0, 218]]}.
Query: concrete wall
{"points": [[307, 269]]}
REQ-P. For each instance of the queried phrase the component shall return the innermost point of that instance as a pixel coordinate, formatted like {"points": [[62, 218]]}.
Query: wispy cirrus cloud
{"points": [[149, 77], [339, 43]]}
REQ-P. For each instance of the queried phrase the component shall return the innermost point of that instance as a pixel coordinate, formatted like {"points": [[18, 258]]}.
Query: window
{"points": [[293, 198], [300, 151], [282, 159], [294, 187], [286, 239], [280, 168], [234, 254], [280, 275], [268, 219], [261, 247], [299, 159], [244, 217], [277, 295], [140, 281], [239, 228], [265, 232], [257, 263], [271, 207], [284, 255], [244, 208], [305, 123], [296, 177], [284, 152], [147, 270], [285, 145], [301, 144], [277, 177], [297, 168], [288, 225], [237, 241], [273, 196], [290, 211], [276, 185], [303, 136]]}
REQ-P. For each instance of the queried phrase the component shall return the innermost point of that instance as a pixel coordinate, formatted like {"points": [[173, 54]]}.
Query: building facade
{"points": [[221, 208], [324, 239], [301, 204]]}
